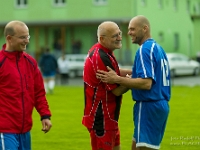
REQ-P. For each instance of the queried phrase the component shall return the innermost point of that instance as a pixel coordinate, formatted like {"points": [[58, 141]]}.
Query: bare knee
{"points": [[116, 148], [134, 146]]}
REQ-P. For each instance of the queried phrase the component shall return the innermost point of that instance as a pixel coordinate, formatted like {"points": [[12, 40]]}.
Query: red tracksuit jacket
{"points": [[102, 107], [21, 89]]}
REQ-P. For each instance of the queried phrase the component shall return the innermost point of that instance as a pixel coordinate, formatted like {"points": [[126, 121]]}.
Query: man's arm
{"points": [[124, 72], [120, 90], [136, 83]]}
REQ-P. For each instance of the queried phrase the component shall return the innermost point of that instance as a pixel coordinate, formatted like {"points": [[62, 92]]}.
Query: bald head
{"points": [[109, 35], [17, 36], [141, 21], [106, 28], [10, 27], [139, 29]]}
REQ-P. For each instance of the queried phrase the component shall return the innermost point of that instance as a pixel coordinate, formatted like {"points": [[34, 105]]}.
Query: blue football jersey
{"points": [[151, 62]]}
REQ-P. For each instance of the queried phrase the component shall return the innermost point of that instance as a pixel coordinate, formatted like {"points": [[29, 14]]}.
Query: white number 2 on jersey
{"points": [[165, 72]]}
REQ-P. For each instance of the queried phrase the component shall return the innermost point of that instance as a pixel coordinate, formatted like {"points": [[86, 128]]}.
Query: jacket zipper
{"points": [[17, 61], [25, 78]]}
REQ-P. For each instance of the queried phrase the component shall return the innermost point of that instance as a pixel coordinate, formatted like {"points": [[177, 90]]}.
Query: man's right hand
{"points": [[107, 77]]}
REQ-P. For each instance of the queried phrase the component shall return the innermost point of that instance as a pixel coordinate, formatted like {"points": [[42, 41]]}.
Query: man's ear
{"points": [[101, 38], [145, 28], [8, 38]]}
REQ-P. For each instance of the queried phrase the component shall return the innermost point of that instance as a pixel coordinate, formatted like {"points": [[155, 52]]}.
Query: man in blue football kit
{"points": [[150, 84]]}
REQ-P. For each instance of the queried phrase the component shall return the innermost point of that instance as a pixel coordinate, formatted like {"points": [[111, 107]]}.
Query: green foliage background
{"points": [[67, 133]]}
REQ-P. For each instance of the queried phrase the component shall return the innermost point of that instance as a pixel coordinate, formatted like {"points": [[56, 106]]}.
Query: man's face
{"points": [[20, 39], [136, 32], [113, 40]]}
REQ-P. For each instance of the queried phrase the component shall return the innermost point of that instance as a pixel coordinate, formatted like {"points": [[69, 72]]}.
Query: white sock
{"points": [[51, 84], [46, 87]]}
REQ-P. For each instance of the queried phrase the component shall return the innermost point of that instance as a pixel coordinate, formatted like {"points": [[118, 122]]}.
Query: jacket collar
{"points": [[104, 48], [11, 55]]}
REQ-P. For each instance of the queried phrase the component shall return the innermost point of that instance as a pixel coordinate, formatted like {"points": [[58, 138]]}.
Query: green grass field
{"points": [[67, 133]]}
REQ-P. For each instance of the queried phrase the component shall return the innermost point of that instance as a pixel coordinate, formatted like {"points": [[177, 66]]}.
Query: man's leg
{"points": [[46, 80], [105, 140], [134, 146], [145, 148], [140, 148], [51, 84], [25, 141], [8, 141], [117, 147]]}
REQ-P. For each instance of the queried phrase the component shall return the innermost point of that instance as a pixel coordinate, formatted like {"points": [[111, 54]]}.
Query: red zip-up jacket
{"points": [[21, 89]]}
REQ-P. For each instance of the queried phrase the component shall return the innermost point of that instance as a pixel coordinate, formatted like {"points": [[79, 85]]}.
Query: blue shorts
{"points": [[49, 75], [10, 141], [150, 121]]}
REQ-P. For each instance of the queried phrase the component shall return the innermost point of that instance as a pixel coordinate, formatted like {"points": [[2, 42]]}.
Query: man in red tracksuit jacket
{"points": [[21, 89]]}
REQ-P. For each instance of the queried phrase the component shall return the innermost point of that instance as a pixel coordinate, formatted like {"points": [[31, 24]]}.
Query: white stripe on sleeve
{"points": [[142, 62], [151, 57]]}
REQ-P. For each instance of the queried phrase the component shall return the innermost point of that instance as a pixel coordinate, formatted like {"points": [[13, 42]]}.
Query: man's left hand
{"points": [[46, 125]]}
